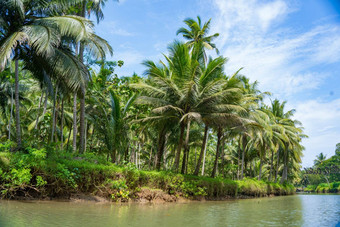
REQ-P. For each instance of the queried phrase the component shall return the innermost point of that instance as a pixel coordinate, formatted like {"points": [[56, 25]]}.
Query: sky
{"points": [[291, 47]]}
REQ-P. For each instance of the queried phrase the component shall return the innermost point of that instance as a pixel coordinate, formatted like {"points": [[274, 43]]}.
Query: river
{"points": [[296, 210]]}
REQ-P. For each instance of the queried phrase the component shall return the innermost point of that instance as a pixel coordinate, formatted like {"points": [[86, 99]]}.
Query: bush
{"points": [[59, 173]]}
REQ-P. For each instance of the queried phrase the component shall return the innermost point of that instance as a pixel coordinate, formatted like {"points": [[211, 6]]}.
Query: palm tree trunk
{"points": [[204, 155], [126, 154], [82, 97], [219, 135], [254, 165], [40, 101], [238, 163], [271, 166], [54, 113], [222, 156], [243, 154], [85, 136], [203, 148], [285, 171], [133, 154], [11, 116], [82, 124], [186, 147], [62, 125], [75, 122], [150, 158], [179, 148], [69, 137], [17, 105], [260, 173], [277, 164], [161, 145], [113, 155]]}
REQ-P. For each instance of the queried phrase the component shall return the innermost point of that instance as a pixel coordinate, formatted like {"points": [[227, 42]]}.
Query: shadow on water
{"points": [[297, 210]]}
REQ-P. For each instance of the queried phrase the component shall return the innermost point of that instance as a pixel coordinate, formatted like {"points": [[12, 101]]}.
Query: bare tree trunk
{"points": [[254, 168], [150, 159], [277, 164], [54, 112], [203, 148], [179, 148], [69, 137], [11, 116], [17, 105], [238, 163], [165, 165], [222, 156], [85, 136], [186, 147], [82, 124], [40, 101], [285, 170], [205, 153], [133, 154], [75, 122], [219, 135], [82, 97], [113, 155], [44, 110], [271, 166], [243, 154], [62, 125], [161, 145], [260, 173], [126, 154]]}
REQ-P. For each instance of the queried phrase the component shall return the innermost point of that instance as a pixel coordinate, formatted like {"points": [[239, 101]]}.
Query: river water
{"points": [[296, 210]]}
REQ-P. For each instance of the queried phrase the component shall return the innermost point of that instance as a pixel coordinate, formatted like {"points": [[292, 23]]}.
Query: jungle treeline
{"points": [[60, 94]]}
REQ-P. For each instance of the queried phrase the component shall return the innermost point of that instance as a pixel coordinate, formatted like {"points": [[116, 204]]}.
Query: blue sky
{"points": [[292, 47]]}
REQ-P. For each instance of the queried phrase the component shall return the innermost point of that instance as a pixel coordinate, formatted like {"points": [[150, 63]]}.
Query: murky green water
{"points": [[297, 210]]}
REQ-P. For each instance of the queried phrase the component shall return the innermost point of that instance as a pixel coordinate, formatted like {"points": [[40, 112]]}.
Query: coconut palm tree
{"points": [[32, 26], [84, 9], [33, 31], [197, 36], [320, 158]]}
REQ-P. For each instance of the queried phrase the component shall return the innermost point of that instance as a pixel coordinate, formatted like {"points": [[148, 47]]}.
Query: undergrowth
{"points": [[39, 174]]}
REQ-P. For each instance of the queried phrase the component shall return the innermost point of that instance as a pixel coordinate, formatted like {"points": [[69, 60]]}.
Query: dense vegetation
{"points": [[69, 123], [324, 176]]}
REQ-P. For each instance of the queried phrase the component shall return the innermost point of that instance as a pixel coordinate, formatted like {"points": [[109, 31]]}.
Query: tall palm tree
{"points": [[33, 26], [85, 9], [320, 158], [197, 36]]}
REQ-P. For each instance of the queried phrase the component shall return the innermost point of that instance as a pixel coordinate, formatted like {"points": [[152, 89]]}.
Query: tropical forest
{"points": [[74, 129]]}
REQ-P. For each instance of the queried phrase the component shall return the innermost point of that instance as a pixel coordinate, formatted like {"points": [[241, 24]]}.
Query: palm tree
{"points": [[85, 8], [32, 27], [320, 158], [197, 37]]}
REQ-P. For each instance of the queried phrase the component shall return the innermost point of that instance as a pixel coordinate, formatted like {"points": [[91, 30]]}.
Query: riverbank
{"points": [[60, 175], [333, 187]]}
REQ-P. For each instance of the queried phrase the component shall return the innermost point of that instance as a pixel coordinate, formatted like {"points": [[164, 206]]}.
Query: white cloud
{"points": [[321, 121], [270, 12], [280, 58]]}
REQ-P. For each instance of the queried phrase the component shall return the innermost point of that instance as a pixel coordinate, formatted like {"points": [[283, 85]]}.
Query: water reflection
{"points": [[298, 210]]}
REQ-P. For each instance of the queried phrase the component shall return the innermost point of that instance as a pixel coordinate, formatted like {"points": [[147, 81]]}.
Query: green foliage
{"points": [[120, 190], [333, 187], [40, 181], [61, 172]]}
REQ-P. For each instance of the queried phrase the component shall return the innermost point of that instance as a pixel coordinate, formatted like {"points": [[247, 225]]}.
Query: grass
{"points": [[40, 174]]}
